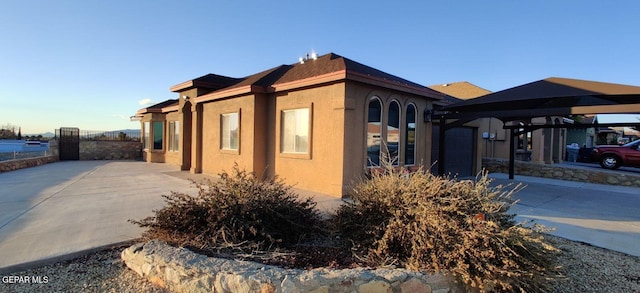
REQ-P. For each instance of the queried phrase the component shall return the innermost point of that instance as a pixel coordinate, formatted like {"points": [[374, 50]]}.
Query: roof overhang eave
{"points": [[515, 114], [368, 79], [190, 84], [172, 108], [230, 93]]}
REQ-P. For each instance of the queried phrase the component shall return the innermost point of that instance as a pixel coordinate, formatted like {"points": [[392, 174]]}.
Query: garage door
{"points": [[460, 147]]}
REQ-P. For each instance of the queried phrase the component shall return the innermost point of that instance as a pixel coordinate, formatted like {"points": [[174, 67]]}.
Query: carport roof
{"points": [[550, 97]]}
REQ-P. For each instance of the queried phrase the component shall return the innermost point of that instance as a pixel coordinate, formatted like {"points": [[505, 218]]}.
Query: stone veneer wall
{"points": [[110, 150], [562, 173], [12, 165], [181, 270]]}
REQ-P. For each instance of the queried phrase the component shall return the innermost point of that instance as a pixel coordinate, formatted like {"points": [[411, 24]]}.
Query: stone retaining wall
{"points": [[562, 173], [12, 165], [110, 150], [181, 270]]}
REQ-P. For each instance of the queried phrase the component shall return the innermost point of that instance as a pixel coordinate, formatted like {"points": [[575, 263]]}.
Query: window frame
{"points": [[173, 142], [307, 154], [146, 135], [222, 147], [415, 134], [395, 161], [369, 162]]}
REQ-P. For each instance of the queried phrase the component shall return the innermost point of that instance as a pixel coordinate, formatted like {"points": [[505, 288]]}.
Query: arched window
{"points": [[393, 132], [410, 134], [374, 118]]}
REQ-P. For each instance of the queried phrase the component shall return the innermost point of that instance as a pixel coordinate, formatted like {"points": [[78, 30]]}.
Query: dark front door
{"points": [[69, 143], [460, 151]]}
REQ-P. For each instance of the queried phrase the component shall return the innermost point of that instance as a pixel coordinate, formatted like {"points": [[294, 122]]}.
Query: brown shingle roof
{"points": [[332, 63], [462, 90], [157, 108], [323, 65], [264, 78], [163, 104], [209, 81]]}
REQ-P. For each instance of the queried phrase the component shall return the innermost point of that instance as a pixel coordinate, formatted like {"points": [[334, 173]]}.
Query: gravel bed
{"points": [[593, 269], [587, 269], [102, 271]]}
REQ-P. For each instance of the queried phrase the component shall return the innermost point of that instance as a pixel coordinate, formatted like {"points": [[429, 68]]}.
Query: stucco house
{"points": [[318, 124]]}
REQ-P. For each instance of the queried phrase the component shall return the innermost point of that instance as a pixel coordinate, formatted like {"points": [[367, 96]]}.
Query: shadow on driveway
{"points": [[54, 210]]}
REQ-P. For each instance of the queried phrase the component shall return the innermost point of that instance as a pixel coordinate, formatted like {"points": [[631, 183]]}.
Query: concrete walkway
{"points": [[59, 210], [602, 215]]}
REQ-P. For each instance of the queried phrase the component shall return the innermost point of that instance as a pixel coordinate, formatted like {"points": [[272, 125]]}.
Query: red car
{"points": [[612, 157]]}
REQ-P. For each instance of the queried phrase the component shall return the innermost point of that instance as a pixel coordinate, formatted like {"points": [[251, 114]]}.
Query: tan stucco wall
{"points": [[356, 106], [321, 169], [547, 144], [423, 130], [338, 143], [215, 159], [337, 156], [497, 145]]}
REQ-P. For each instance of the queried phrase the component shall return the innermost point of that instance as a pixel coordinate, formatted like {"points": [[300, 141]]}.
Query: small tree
{"points": [[8, 131]]}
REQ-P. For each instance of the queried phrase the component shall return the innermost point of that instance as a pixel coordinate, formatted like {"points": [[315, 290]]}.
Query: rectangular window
{"points": [[294, 132], [157, 135], [230, 131], [145, 137], [174, 135]]}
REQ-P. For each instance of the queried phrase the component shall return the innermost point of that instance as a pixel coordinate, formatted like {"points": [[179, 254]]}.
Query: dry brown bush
{"points": [[239, 211], [417, 220], [435, 224]]}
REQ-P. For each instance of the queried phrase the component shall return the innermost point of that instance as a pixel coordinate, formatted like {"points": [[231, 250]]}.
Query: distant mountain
{"points": [[113, 133], [135, 132], [128, 132]]}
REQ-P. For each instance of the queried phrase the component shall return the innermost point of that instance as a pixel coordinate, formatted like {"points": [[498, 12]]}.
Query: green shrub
{"points": [[237, 211], [435, 224]]}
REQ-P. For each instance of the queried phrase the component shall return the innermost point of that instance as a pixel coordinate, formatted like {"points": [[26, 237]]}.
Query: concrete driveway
{"points": [[602, 215], [59, 210], [54, 210]]}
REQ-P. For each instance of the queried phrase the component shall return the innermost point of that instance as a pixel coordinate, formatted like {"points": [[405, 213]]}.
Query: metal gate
{"points": [[69, 143]]}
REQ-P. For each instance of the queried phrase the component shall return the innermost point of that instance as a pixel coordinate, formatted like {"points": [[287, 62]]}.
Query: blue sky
{"points": [[88, 63]]}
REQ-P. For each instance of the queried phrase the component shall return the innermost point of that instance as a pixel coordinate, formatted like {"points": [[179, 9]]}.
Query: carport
{"points": [[516, 106]]}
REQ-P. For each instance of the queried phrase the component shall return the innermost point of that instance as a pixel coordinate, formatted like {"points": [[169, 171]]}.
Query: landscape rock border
{"points": [[182, 270]]}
